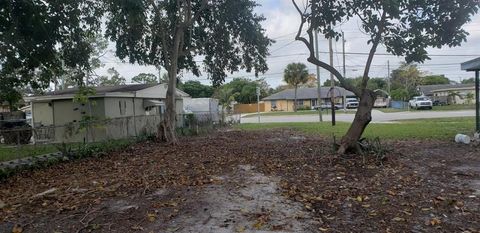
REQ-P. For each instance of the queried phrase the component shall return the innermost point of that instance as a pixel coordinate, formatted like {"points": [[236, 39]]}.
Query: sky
{"points": [[282, 22]]}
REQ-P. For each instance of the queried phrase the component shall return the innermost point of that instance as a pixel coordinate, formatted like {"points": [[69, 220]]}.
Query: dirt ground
{"points": [[235, 181]]}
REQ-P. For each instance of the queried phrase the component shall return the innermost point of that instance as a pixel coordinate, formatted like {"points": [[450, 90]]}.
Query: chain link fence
{"points": [[31, 137]]}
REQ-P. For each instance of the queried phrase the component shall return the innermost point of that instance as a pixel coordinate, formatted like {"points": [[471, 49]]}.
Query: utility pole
{"points": [[344, 71], [388, 77], [332, 83], [343, 48], [258, 103], [319, 89]]}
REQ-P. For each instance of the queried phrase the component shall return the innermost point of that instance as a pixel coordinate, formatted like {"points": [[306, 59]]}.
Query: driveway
{"points": [[377, 116]]}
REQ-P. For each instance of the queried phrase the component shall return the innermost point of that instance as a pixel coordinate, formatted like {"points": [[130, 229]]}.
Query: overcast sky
{"points": [[282, 22]]}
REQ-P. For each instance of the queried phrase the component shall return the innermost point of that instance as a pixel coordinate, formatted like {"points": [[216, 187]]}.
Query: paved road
{"points": [[377, 116]]}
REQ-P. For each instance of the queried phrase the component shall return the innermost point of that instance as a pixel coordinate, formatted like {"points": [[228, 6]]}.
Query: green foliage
{"points": [[435, 80], [227, 33], [225, 96], [328, 83], [295, 74], [400, 94], [244, 90], [114, 80], [39, 38], [197, 90], [145, 79], [468, 81], [406, 28]]}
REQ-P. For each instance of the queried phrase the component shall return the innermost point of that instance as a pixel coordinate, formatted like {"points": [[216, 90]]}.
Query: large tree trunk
{"points": [[169, 121], [295, 100], [349, 142], [167, 130]]}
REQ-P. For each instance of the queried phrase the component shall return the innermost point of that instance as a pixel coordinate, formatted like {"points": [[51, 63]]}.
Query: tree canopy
{"points": [[226, 33], [295, 74], [197, 90], [114, 79], [244, 90], [145, 78]]}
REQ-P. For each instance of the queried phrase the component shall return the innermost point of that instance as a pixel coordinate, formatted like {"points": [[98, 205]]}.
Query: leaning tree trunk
{"points": [[362, 118]]}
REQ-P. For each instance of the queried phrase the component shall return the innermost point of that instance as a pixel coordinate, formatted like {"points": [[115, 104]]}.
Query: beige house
{"points": [[129, 105], [307, 98]]}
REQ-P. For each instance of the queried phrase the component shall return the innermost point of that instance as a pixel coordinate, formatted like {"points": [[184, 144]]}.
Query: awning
{"points": [[152, 103]]}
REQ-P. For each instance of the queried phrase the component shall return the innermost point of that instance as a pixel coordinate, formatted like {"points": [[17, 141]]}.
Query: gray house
{"points": [[130, 105]]}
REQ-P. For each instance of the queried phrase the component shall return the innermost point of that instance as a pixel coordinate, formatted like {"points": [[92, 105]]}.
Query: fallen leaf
{"points": [[17, 229], [398, 219], [151, 217]]}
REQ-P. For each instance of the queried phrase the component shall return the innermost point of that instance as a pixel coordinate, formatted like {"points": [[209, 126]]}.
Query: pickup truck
{"points": [[351, 103], [420, 102]]}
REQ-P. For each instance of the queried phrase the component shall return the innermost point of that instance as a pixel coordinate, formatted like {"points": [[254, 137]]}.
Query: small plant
{"points": [[374, 147]]}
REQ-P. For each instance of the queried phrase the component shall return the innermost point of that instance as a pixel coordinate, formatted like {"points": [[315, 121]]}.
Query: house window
{"points": [[299, 102], [274, 104]]}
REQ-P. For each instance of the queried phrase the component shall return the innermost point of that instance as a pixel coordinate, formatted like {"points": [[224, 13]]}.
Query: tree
{"points": [[405, 28], [328, 83], [225, 97], [38, 39], [171, 34], [197, 90], [295, 74], [468, 81], [145, 78], [469, 97], [245, 90], [435, 80], [114, 80]]}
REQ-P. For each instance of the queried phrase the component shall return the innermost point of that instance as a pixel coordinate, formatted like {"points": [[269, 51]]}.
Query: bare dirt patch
{"points": [[233, 181]]}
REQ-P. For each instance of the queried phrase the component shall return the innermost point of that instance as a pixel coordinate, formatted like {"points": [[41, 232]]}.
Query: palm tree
{"points": [[295, 74]]}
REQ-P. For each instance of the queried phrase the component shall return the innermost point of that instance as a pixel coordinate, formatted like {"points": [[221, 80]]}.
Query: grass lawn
{"points": [[305, 112], [443, 128], [12, 152], [453, 107]]}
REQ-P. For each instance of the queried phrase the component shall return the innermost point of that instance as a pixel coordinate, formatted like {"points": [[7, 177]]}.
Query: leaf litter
{"points": [[239, 181]]}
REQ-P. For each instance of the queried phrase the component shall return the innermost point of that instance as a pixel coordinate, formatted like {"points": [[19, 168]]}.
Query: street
{"points": [[377, 116]]}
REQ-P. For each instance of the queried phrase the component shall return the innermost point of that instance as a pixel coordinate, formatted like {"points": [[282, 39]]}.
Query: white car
{"points": [[420, 102], [351, 103]]}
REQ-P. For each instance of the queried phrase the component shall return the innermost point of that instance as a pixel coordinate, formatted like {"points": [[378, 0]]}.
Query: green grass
{"points": [[8, 153], [443, 128], [305, 112], [453, 107], [390, 110]]}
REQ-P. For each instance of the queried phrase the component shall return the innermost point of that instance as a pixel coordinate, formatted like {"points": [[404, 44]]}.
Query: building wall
{"points": [[42, 113], [462, 99]]}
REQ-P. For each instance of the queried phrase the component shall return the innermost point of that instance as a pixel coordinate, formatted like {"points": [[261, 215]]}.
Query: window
{"points": [[274, 104], [299, 102]]}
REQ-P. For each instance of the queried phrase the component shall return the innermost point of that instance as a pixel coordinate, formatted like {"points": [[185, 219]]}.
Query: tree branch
{"points": [[373, 50], [312, 59]]}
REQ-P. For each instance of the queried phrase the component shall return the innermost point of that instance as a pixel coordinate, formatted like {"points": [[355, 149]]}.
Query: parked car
{"points": [[420, 102], [352, 103]]}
